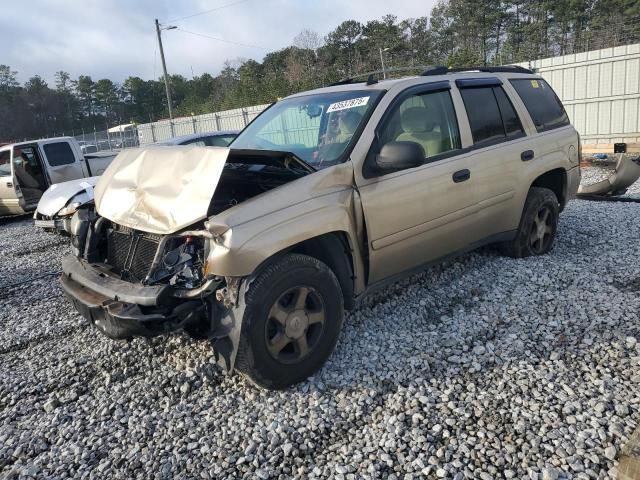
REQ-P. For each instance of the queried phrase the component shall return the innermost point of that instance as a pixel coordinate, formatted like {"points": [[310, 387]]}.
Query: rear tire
{"points": [[538, 225], [292, 319]]}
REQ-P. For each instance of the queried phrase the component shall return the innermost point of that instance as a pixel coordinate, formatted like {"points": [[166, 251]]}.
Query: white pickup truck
{"points": [[27, 169]]}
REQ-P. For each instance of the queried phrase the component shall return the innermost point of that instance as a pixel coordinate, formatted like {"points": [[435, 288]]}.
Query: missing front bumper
{"points": [[119, 320], [120, 309]]}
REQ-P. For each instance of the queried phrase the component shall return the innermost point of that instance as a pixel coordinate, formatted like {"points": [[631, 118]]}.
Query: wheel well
{"points": [[333, 250], [556, 181]]}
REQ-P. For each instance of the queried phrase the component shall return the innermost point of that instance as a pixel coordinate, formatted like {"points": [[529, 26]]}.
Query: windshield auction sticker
{"points": [[346, 104]]}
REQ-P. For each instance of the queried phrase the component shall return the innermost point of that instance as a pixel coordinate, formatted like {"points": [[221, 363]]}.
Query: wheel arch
{"points": [[556, 181], [334, 249]]}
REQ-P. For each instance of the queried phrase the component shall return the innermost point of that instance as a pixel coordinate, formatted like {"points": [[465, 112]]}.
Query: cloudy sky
{"points": [[116, 38]]}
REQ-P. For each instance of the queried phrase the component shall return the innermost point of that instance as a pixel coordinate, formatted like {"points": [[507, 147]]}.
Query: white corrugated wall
{"points": [[600, 90]]}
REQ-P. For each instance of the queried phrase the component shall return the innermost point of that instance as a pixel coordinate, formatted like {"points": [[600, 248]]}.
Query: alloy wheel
{"points": [[541, 230], [295, 323]]}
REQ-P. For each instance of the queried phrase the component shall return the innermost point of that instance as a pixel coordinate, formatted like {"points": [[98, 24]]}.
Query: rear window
{"points": [[59, 153], [491, 115], [543, 104]]}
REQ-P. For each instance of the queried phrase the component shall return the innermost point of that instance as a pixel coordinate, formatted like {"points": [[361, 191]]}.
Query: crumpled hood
{"points": [[57, 196], [160, 190]]}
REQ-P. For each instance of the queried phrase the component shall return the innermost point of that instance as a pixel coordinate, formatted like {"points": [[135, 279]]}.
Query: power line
{"points": [[222, 39], [208, 11]]}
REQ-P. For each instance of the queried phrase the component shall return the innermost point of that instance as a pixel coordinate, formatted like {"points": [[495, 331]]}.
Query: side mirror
{"points": [[396, 156]]}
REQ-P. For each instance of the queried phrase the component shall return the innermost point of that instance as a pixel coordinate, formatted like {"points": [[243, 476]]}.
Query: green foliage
{"points": [[457, 33]]}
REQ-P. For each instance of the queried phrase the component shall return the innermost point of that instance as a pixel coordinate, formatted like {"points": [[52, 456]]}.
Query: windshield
{"points": [[316, 128]]}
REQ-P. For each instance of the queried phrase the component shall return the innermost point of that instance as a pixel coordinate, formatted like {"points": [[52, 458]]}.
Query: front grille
{"points": [[130, 253]]}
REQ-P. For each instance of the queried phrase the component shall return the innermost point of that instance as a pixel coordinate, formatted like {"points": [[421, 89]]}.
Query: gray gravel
{"points": [[485, 367]]}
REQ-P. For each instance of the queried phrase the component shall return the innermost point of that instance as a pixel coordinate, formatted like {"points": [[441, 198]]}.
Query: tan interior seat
{"points": [[347, 123], [418, 127]]}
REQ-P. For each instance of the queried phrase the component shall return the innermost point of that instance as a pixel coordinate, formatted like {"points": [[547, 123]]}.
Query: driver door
{"points": [[9, 201], [419, 214], [29, 174]]}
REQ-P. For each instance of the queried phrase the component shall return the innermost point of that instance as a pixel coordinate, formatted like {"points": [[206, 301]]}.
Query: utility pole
{"points": [[384, 73], [164, 66]]}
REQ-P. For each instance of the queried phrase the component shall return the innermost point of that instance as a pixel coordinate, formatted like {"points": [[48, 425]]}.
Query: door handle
{"points": [[9, 184], [527, 155], [461, 176]]}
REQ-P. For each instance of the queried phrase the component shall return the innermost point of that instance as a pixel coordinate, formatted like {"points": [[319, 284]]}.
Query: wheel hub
{"points": [[296, 324]]}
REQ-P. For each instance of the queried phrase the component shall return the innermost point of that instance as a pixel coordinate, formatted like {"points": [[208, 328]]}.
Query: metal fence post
{"points": [[171, 128], [194, 123], [95, 138], [245, 116], [153, 133], [217, 117]]}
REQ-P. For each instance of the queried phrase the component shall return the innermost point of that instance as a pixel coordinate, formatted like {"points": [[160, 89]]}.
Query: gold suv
{"points": [[325, 196]]}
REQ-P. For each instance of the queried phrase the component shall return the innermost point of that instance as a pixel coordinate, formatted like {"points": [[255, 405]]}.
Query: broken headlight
{"points": [[69, 209]]}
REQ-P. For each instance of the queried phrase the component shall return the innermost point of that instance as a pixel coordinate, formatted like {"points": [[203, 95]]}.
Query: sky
{"points": [[116, 38]]}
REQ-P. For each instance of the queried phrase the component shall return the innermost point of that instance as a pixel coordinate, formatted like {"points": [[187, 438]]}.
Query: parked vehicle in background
{"points": [[88, 148], [262, 246], [27, 169], [61, 201]]}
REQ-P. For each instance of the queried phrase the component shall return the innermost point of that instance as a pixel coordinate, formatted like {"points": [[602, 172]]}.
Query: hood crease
{"points": [[160, 190]]}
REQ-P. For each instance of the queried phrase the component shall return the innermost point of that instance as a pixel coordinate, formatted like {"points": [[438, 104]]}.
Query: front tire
{"points": [[538, 225], [292, 319]]}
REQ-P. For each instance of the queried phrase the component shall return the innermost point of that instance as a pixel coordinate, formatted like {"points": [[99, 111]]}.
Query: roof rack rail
{"points": [[345, 81], [369, 76], [441, 70]]}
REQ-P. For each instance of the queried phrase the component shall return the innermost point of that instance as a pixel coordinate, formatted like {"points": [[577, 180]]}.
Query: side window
{"points": [[59, 154], [197, 142], [543, 104], [512, 125], [428, 119], [220, 140], [5, 163], [491, 115]]}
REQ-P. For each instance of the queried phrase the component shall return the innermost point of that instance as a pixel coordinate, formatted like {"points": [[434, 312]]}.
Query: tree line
{"points": [[456, 33]]}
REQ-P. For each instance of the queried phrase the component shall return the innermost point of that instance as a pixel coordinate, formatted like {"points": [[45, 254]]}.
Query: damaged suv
{"points": [[326, 196]]}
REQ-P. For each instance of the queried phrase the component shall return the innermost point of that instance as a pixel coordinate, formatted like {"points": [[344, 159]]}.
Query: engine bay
{"points": [[248, 173]]}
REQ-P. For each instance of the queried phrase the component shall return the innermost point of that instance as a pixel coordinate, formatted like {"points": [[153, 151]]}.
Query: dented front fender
{"points": [[320, 203]]}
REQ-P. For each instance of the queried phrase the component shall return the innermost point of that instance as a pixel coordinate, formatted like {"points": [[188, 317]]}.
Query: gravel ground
{"points": [[485, 367]]}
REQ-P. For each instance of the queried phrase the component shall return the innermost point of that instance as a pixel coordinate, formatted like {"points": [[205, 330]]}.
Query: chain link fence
{"points": [[132, 135], [235, 119], [116, 138]]}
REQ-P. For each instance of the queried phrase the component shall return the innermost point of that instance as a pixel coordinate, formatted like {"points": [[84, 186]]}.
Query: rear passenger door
{"points": [[61, 161], [499, 147]]}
